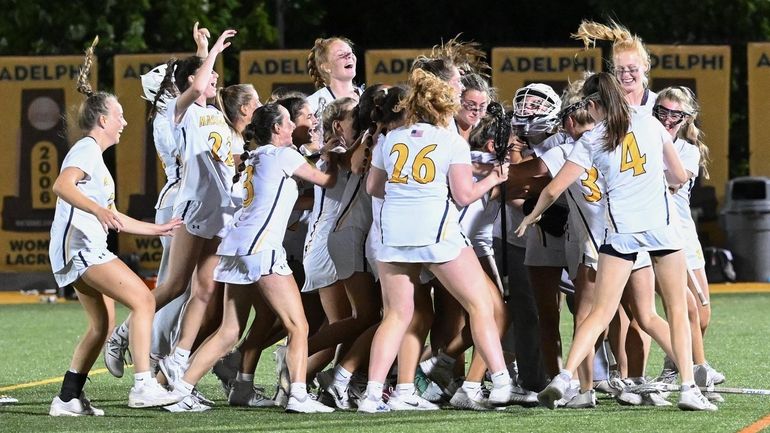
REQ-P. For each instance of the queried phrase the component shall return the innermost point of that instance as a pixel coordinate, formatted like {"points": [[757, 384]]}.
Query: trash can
{"points": [[746, 221]]}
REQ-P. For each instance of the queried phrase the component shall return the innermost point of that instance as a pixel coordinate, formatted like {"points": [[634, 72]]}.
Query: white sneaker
{"points": [[583, 400], [226, 370], [692, 399], [554, 391], [523, 397], [7, 399], [244, 394], [569, 394], [409, 402], [202, 398], [655, 399], [187, 404], [80, 406], [115, 350], [628, 397], [328, 389], [152, 394], [471, 400], [306, 405], [716, 376], [669, 373], [433, 393], [367, 405], [172, 370]]}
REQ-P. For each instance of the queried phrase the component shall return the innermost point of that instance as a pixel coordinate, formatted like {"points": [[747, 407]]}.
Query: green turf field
{"points": [[36, 342]]}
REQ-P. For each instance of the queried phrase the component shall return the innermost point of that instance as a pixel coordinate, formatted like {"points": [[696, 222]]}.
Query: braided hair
{"points": [[95, 103]]}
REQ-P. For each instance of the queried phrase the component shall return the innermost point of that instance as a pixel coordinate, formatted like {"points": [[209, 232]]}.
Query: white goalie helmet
{"points": [[536, 109], [151, 83]]}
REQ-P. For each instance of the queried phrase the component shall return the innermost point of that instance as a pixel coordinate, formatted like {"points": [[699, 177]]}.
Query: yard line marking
{"points": [[758, 426], [47, 381]]}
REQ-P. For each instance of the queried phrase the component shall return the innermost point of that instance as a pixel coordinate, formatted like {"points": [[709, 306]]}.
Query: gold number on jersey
{"points": [[423, 168], [590, 183], [630, 157], [215, 140], [248, 187]]}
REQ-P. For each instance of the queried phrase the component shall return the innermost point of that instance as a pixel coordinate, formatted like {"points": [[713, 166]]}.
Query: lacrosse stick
{"points": [[653, 387]]}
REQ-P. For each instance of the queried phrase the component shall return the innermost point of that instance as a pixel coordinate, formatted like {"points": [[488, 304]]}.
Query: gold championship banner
{"points": [[705, 70], [38, 94], [513, 68], [139, 173], [270, 70], [390, 66], [759, 108]]}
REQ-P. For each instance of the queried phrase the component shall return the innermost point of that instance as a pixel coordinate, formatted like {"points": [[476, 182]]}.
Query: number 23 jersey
{"points": [[418, 209]]}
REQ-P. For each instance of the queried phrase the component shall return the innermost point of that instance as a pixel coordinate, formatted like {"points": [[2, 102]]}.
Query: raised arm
{"points": [[201, 37], [315, 176]]}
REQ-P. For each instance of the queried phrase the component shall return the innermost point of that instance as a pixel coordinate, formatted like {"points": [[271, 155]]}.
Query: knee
{"points": [[297, 328], [144, 302], [229, 334]]}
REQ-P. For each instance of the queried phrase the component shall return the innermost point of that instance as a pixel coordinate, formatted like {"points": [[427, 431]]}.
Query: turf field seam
{"points": [[757, 426], [47, 381]]}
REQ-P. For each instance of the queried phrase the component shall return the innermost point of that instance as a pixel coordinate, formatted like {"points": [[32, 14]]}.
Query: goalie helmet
{"points": [[151, 84], [536, 109]]}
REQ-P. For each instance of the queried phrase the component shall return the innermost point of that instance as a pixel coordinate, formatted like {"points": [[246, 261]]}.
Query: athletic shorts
{"points": [[347, 251], [692, 249], [660, 239], [79, 263], [203, 221], [319, 267], [441, 252], [249, 269]]}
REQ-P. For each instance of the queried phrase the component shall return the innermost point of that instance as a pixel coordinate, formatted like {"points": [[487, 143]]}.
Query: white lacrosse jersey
{"points": [[418, 209], [269, 194], [355, 205], [690, 156], [585, 198], [73, 229], [326, 207], [648, 102], [636, 189], [168, 153], [478, 218], [204, 140]]}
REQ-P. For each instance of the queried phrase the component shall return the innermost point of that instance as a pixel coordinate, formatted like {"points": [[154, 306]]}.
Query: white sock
{"points": [[243, 377], [471, 386], [141, 379], [182, 356], [501, 378], [374, 390], [566, 375], [298, 390], [687, 386], [341, 377], [123, 330], [428, 365], [405, 389], [184, 386]]}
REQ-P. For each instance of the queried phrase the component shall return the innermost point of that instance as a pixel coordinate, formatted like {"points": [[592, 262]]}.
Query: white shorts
{"points": [[444, 251], [482, 247], [249, 269], [692, 248], [347, 250], [663, 238], [79, 263], [577, 254], [544, 249], [319, 267], [203, 221]]}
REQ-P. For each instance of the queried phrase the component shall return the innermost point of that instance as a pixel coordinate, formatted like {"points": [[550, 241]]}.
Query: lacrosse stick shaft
{"points": [[698, 290]]}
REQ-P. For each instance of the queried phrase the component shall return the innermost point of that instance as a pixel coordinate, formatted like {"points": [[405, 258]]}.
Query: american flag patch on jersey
{"points": [[416, 133]]}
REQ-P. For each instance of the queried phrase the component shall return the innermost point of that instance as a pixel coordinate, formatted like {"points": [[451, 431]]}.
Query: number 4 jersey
{"points": [[418, 209], [636, 190]]}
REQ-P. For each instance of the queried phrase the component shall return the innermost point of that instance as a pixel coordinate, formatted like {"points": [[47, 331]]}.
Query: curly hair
{"points": [[430, 99]]}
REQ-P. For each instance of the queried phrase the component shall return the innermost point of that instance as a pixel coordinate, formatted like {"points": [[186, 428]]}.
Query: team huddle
{"points": [[381, 233]]}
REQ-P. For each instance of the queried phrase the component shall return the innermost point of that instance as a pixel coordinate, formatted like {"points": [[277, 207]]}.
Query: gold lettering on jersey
{"points": [[211, 119]]}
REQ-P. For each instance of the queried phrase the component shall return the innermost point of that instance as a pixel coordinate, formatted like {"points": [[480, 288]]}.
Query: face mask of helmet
{"points": [[535, 110], [151, 83]]}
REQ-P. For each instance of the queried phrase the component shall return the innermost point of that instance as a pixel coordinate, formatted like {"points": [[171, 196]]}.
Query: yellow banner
{"points": [[513, 68], [705, 70], [270, 70], [759, 108], [139, 173], [390, 66], [38, 94]]}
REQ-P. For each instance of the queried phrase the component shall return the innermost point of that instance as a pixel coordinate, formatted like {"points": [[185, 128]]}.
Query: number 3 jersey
{"points": [[636, 190], [418, 209], [269, 193], [73, 229], [204, 141]]}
